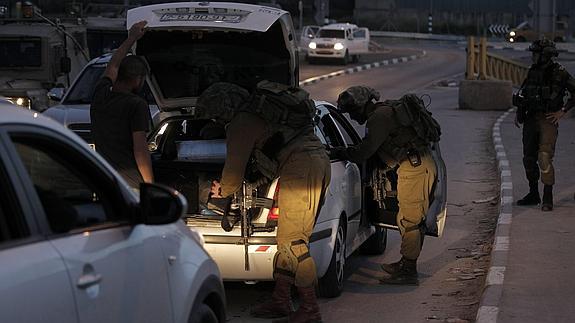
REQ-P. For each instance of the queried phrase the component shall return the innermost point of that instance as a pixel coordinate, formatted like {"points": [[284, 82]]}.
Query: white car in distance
{"points": [[344, 42]]}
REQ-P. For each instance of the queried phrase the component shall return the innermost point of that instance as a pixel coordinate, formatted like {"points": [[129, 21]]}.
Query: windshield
{"points": [[83, 89], [20, 52], [330, 33], [184, 64]]}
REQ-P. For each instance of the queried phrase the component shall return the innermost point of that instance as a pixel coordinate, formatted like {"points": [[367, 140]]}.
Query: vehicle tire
{"points": [[345, 59], [203, 314], [376, 244], [331, 284], [356, 58], [520, 39]]}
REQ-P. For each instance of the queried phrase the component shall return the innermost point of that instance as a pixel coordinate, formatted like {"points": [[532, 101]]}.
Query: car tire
{"points": [[356, 58], [345, 59], [331, 284], [376, 244], [203, 314]]}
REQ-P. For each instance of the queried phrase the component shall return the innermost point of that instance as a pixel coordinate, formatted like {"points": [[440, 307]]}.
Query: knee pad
{"points": [[291, 254], [545, 161]]}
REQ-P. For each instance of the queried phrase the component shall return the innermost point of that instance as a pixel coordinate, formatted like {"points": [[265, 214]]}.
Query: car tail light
{"points": [[274, 213]]}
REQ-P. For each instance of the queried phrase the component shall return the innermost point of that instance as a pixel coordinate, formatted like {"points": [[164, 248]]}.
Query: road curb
{"points": [[356, 69], [492, 291]]}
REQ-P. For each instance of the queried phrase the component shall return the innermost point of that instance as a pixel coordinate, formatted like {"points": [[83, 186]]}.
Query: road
{"points": [[452, 268]]}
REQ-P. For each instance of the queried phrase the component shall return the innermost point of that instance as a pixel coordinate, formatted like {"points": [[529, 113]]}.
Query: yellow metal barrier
{"points": [[482, 65]]}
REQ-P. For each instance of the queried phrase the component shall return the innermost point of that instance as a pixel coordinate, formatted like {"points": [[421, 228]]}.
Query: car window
{"points": [[83, 89], [13, 226], [68, 195], [330, 132], [330, 33], [349, 135], [360, 33]]}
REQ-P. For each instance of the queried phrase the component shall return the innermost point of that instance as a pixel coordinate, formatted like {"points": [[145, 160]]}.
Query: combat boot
{"points": [[280, 305], [547, 204], [406, 275], [393, 268], [308, 311], [532, 198]]}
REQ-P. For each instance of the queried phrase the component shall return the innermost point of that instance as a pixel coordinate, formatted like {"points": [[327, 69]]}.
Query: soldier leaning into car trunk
{"points": [[540, 104], [120, 118], [415, 177], [304, 174]]}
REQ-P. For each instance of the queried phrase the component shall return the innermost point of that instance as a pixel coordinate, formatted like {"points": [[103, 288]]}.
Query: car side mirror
{"points": [[160, 204], [56, 94]]}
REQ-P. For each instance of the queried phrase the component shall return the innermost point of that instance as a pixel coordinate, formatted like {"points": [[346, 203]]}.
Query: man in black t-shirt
{"points": [[120, 118]]}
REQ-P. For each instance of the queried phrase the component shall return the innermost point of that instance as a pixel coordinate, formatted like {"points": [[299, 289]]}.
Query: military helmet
{"points": [[544, 46], [221, 101], [356, 97]]}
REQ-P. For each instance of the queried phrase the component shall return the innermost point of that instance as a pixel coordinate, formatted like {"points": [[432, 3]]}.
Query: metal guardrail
{"points": [[482, 65], [397, 34]]}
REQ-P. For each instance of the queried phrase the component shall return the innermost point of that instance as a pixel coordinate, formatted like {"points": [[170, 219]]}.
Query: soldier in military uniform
{"points": [[540, 103], [304, 172], [394, 145]]}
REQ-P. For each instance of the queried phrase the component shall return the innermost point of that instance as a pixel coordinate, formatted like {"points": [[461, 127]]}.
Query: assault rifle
{"points": [[246, 200]]}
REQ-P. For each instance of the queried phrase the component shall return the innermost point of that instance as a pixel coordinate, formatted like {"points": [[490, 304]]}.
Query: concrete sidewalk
{"points": [[538, 280]]}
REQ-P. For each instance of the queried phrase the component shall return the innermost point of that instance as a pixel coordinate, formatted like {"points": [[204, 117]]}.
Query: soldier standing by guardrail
{"points": [[540, 106]]}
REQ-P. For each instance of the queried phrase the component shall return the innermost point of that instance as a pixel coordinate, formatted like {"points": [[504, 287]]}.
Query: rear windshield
{"points": [[20, 52], [330, 33], [184, 64], [83, 89]]}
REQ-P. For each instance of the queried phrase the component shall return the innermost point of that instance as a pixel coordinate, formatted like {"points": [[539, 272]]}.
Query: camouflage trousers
{"points": [[414, 184], [539, 139], [304, 178]]}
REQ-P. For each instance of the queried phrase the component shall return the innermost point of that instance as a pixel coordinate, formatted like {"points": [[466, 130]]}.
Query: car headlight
{"points": [[338, 46], [20, 101], [511, 40], [512, 34], [312, 45]]}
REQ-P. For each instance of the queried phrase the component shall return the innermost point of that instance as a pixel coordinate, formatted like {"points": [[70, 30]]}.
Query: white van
{"points": [[340, 41]]}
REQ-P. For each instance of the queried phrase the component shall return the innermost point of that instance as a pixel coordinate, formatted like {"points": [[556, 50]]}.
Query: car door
{"points": [[34, 284], [344, 176], [116, 269], [307, 34], [361, 40]]}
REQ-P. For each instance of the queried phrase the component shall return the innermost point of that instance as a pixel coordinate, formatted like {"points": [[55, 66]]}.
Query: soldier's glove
{"points": [[222, 206]]}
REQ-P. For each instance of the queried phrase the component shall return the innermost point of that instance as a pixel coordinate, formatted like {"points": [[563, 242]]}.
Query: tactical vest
{"points": [[544, 89]]}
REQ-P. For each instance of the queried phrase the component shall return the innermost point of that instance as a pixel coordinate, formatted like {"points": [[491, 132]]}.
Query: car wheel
{"points": [[376, 244], [356, 58], [345, 59], [331, 284], [203, 314]]}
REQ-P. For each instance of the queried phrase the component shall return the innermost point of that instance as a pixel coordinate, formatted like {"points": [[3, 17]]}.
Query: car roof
{"points": [[339, 26], [12, 114]]}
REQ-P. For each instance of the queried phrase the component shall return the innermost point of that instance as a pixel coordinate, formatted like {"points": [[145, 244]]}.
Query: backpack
{"points": [[281, 104], [410, 111]]}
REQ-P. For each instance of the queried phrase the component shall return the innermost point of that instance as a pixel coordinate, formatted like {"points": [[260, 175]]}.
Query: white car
{"points": [[337, 41], [188, 47], [78, 245]]}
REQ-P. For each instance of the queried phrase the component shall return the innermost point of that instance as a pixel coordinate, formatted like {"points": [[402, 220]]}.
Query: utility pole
{"points": [[430, 18], [300, 7]]}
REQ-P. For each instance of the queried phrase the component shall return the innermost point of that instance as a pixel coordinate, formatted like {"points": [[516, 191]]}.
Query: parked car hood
{"points": [[191, 45]]}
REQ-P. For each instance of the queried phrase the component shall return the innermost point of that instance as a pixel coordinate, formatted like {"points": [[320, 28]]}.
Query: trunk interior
{"points": [[188, 155]]}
